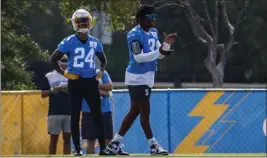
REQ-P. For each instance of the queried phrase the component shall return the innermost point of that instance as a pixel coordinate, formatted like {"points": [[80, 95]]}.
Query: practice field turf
{"points": [[171, 155]]}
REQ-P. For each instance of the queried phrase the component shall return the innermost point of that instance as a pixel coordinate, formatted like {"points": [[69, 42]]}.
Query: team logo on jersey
{"points": [[154, 34], [93, 44]]}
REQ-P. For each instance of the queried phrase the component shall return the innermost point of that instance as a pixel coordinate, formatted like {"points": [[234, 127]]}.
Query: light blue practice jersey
{"points": [[148, 41], [81, 57]]}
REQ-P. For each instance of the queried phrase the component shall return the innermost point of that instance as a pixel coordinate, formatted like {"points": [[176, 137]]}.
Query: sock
{"points": [[151, 141], [117, 137]]}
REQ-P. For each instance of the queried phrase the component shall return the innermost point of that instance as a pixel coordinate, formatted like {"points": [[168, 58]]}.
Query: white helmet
{"points": [[81, 21]]}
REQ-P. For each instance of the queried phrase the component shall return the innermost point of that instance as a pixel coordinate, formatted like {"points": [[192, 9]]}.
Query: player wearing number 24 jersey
{"points": [[81, 49], [144, 51], [81, 55]]}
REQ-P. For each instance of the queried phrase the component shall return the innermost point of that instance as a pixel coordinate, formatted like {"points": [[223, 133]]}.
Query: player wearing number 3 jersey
{"points": [[81, 50], [144, 51]]}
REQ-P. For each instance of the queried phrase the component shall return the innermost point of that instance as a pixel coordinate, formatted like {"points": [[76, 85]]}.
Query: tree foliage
{"points": [[120, 12], [17, 47]]}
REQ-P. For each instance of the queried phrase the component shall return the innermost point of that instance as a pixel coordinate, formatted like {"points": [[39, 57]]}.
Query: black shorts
{"points": [[88, 127], [139, 92]]}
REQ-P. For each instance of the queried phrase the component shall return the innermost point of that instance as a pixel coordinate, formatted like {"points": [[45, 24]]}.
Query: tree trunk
{"points": [[211, 40], [216, 73]]}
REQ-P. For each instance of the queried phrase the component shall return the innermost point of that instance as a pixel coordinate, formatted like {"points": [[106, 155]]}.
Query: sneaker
{"points": [[106, 152], [156, 149], [78, 152], [116, 148]]}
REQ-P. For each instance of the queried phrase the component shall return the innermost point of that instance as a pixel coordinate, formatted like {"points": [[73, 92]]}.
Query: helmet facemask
{"points": [[81, 21]]}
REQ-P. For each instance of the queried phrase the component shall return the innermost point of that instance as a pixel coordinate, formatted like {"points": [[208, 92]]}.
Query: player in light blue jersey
{"points": [[88, 128], [81, 49], [144, 52]]}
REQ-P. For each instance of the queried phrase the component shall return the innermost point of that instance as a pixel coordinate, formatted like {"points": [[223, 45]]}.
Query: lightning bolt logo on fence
{"points": [[210, 113]]}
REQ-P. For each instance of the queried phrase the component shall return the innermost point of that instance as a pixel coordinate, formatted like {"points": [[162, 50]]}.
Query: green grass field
{"points": [[171, 155]]}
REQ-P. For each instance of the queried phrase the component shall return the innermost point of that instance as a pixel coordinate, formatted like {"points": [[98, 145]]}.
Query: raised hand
{"points": [[170, 38]]}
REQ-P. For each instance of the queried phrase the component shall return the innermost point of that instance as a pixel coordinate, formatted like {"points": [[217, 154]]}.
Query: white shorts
{"points": [[140, 79], [57, 122]]}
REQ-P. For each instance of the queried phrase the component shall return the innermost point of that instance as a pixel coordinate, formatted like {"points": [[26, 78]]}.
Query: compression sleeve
{"points": [[146, 57], [139, 55], [136, 48]]}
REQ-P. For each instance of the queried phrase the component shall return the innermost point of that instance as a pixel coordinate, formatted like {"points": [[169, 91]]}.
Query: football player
{"points": [[144, 51], [81, 48]]}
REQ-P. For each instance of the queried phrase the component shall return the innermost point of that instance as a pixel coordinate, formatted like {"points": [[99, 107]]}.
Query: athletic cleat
{"points": [[78, 152], [156, 149], [105, 152], [116, 148]]}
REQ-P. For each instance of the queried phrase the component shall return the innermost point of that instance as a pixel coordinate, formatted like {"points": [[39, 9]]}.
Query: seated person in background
{"points": [[88, 128]]}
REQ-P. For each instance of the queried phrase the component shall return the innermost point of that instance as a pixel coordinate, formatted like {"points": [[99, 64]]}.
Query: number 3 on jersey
{"points": [[152, 44], [146, 92], [79, 59]]}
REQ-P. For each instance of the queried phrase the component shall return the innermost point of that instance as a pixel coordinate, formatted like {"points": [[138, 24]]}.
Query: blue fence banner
{"points": [[198, 121]]}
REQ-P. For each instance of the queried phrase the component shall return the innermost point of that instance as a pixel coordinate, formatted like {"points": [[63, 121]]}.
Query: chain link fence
{"points": [[183, 121], [24, 124]]}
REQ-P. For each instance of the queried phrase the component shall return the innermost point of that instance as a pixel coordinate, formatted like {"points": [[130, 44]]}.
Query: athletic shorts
{"points": [[56, 123], [88, 127], [139, 92]]}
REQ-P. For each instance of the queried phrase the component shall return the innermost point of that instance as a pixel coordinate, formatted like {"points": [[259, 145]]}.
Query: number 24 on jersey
{"points": [[80, 59]]}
